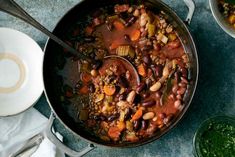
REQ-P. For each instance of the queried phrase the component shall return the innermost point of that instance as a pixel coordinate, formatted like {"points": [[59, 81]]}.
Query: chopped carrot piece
{"points": [[135, 35], [114, 133], [109, 90], [138, 114], [121, 125], [85, 77], [84, 90], [114, 45], [118, 25], [142, 70], [89, 30]]}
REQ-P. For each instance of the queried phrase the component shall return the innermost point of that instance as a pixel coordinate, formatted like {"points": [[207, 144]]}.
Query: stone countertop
{"points": [[215, 92]]}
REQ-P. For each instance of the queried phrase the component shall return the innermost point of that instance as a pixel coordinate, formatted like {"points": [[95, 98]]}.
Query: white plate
{"points": [[21, 82]]}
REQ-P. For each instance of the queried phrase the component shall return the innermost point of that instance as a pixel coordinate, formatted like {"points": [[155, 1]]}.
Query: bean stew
{"points": [[119, 108]]}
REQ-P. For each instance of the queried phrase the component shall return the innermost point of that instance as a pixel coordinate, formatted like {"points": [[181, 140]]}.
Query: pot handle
{"points": [[191, 8], [50, 135]]}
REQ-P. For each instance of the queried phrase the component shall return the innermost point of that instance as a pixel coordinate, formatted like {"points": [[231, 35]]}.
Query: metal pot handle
{"points": [[50, 135], [191, 7]]}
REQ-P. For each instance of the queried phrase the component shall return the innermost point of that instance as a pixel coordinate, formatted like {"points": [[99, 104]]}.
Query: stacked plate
{"points": [[21, 82]]}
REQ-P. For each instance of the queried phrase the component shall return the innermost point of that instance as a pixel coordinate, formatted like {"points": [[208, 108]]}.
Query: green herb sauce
{"points": [[218, 140]]}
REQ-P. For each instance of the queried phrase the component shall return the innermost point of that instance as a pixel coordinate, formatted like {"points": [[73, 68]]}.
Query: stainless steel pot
{"points": [[53, 83], [49, 74]]}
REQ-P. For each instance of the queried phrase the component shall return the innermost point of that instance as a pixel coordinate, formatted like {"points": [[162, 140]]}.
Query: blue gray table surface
{"points": [[215, 92]]}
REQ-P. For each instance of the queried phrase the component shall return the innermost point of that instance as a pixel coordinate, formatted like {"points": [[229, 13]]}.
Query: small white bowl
{"points": [[21, 82], [220, 19]]}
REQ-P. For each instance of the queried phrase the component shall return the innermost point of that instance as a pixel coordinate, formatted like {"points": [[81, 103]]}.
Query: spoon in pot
{"points": [[12, 8]]}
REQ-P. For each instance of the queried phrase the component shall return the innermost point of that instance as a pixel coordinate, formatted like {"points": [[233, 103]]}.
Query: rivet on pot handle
{"points": [[191, 7], [50, 135]]}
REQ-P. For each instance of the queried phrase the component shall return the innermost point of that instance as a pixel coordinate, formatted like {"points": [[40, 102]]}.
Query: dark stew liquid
{"points": [[120, 108]]}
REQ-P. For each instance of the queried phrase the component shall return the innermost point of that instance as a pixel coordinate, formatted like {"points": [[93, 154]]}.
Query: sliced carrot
{"points": [[135, 35], [114, 45], [84, 90], [121, 125], [109, 90], [142, 70], [89, 30], [114, 133], [118, 25], [138, 114], [85, 77]]}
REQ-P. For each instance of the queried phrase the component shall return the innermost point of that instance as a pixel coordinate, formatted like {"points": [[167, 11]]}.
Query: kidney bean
{"points": [[147, 59], [184, 80], [181, 91], [182, 84], [149, 103], [151, 129], [136, 125], [179, 97], [172, 96], [175, 88], [148, 82], [177, 77], [177, 104], [158, 94], [144, 124], [97, 64], [157, 70], [162, 115], [140, 87], [158, 103], [113, 117], [184, 72]]}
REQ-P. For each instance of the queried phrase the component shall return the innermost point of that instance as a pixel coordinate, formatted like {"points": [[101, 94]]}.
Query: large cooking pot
{"points": [[54, 59], [53, 83]]}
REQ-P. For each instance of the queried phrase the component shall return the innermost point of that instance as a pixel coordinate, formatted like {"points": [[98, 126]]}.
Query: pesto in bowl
{"points": [[215, 138]]}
